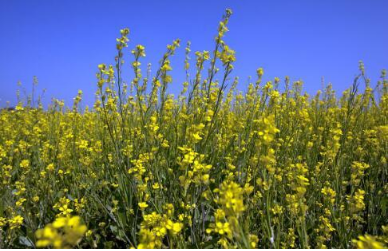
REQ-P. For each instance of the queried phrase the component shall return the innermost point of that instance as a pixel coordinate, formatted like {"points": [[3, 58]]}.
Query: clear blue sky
{"points": [[62, 42]]}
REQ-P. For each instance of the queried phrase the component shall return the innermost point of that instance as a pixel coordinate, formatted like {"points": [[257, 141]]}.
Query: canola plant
{"points": [[214, 167]]}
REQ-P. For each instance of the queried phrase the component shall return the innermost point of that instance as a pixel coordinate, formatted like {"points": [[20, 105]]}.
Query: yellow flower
{"points": [[253, 240], [260, 72], [50, 167], [175, 228], [101, 67], [124, 32], [142, 205], [147, 240], [25, 163], [156, 186], [89, 233], [64, 232], [20, 202], [16, 221], [368, 242], [3, 221]]}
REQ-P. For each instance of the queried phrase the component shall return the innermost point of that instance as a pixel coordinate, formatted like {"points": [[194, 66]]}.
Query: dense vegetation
{"points": [[270, 167]]}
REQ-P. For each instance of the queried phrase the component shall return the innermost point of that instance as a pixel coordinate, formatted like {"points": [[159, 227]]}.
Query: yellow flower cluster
{"points": [[230, 200], [195, 171], [155, 226], [63, 207], [64, 232], [372, 242]]}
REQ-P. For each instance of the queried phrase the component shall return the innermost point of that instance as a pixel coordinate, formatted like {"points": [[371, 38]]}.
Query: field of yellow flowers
{"points": [[212, 168]]}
